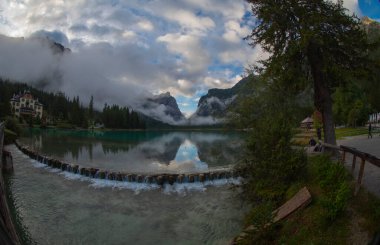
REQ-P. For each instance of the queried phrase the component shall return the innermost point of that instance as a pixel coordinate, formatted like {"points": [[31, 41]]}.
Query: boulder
{"points": [[180, 178], [111, 176], [74, 168], [93, 171], [160, 180], [64, 166], [82, 171], [101, 174], [171, 179], [140, 178], [119, 177], [129, 177], [149, 179], [201, 177]]}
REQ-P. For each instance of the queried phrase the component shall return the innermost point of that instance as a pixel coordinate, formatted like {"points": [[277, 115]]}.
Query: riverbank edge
{"points": [[9, 234], [357, 223], [7, 221]]}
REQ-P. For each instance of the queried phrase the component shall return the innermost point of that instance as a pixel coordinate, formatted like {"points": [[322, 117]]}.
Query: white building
{"points": [[25, 104]]}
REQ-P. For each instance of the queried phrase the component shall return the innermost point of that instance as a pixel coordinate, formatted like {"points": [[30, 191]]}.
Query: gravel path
{"points": [[371, 177]]}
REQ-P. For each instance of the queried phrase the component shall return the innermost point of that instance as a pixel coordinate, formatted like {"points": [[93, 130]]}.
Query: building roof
{"points": [[26, 95], [307, 120]]}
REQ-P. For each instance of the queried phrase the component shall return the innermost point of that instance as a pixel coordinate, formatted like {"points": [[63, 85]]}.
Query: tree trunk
{"points": [[322, 97], [328, 121]]}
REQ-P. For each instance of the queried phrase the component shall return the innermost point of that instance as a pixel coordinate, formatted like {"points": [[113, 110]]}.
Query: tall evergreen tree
{"points": [[310, 42], [91, 108]]}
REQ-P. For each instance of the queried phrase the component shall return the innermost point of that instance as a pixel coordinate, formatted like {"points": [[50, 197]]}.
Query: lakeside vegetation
{"points": [[334, 216], [63, 112], [318, 53]]}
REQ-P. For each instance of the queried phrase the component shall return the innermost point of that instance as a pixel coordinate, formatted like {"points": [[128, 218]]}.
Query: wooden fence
{"points": [[8, 234], [356, 154]]}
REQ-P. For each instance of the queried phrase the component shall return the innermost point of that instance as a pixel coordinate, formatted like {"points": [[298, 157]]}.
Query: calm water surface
{"points": [[62, 208], [139, 151]]}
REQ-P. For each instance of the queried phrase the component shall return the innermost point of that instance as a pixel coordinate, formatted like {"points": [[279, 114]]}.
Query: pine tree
{"points": [[310, 42], [91, 110]]}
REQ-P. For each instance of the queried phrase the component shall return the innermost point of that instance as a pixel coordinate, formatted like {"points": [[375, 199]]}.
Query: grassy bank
{"points": [[346, 132], [335, 216], [303, 136]]}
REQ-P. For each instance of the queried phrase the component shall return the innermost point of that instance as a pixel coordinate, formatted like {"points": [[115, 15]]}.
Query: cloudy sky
{"points": [[122, 50]]}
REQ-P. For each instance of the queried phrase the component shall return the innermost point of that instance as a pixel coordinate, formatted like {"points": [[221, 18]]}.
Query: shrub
{"points": [[335, 202], [272, 164], [260, 217], [332, 178], [9, 136], [12, 124]]}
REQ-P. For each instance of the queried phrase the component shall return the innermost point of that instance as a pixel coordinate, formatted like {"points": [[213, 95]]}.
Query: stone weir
{"points": [[160, 179]]}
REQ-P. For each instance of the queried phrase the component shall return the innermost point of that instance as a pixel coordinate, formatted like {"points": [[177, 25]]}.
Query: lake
{"points": [[64, 208]]}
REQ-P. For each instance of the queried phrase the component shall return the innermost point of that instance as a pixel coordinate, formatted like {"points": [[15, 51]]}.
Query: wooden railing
{"points": [[1, 139], [8, 233], [363, 156]]}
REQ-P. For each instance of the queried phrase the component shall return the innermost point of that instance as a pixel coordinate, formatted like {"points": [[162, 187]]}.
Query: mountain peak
{"points": [[216, 102], [163, 95], [171, 108], [366, 20]]}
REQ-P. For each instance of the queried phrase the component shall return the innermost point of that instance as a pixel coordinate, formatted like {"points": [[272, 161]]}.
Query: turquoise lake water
{"points": [[63, 208], [139, 151]]}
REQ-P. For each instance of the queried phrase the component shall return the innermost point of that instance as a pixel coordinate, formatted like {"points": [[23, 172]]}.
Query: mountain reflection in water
{"points": [[139, 151]]}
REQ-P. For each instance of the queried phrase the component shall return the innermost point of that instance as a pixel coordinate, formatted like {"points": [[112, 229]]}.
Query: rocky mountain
{"points": [[57, 47], [370, 25], [163, 107], [215, 103]]}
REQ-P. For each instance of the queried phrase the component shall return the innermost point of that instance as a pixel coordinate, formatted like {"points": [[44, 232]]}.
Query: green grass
{"points": [[65, 125], [345, 132], [368, 206], [303, 137], [313, 225]]}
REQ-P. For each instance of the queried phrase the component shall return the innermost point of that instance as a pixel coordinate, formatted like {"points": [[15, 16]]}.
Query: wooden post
{"points": [[353, 164], [360, 176], [343, 156]]}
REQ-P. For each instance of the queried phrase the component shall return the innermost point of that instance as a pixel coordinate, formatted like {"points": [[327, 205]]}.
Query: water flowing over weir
{"points": [[57, 210], [102, 177]]}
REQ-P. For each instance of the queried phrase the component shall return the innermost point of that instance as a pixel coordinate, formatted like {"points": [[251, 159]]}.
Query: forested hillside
{"points": [[357, 98], [61, 110]]}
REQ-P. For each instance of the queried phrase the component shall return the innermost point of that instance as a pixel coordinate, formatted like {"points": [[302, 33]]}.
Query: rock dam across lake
{"points": [[159, 178]]}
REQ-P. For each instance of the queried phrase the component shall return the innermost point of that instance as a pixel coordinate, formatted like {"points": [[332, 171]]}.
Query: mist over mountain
{"points": [[50, 66], [163, 107], [213, 107]]}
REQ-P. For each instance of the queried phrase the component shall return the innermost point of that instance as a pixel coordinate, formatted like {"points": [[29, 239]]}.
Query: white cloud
{"points": [[195, 57], [352, 6], [127, 48], [188, 20], [234, 32], [212, 82], [145, 25], [129, 34]]}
